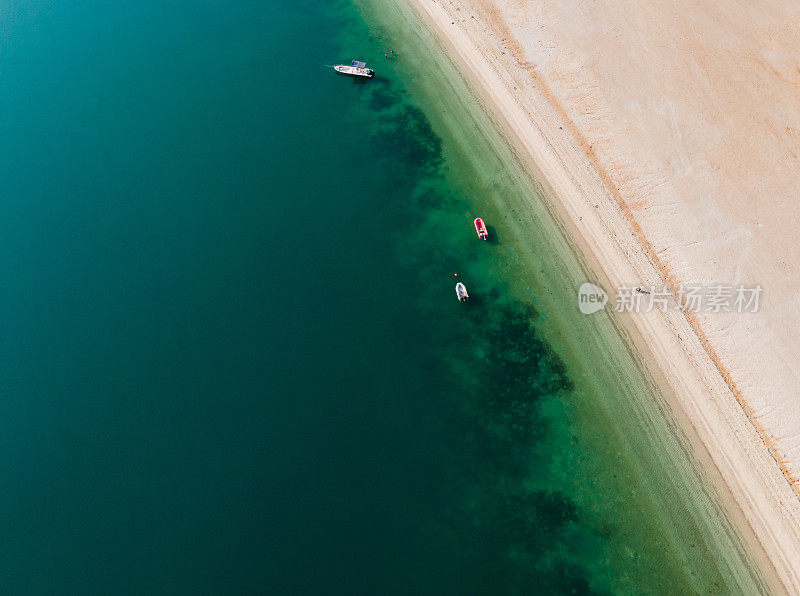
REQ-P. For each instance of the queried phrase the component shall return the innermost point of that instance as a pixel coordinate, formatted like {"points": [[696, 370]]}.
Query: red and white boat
{"points": [[480, 227]]}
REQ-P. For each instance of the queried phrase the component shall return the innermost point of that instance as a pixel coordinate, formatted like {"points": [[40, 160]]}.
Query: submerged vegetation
{"points": [[503, 373]]}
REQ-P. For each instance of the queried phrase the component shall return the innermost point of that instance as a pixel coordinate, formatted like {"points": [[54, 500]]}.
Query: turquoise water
{"points": [[232, 355]]}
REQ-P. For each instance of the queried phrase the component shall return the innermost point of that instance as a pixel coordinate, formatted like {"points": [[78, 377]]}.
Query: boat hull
{"points": [[461, 292], [353, 71], [480, 228]]}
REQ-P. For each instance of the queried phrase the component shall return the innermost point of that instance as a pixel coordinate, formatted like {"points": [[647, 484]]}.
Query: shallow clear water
{"points": [[232, 355]]}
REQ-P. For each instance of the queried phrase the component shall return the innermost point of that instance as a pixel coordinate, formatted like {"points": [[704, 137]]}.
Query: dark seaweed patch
{"points": [[533, 519], [383, 98], [514, 372], [518, 370], [406, 138]]}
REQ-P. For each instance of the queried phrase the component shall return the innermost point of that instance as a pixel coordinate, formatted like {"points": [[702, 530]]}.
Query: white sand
{"points": [[668, 135]]}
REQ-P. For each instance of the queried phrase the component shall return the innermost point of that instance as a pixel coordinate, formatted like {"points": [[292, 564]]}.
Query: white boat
{"points": [[461, 292], [356, 69]]}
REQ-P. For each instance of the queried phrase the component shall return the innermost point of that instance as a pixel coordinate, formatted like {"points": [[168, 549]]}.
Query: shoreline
{"points": [[692, 382]]}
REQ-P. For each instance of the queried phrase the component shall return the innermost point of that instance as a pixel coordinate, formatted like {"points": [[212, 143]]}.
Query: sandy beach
{"points": [[667, 140]]}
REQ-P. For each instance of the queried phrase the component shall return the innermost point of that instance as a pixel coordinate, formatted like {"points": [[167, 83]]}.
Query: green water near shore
{"points": [[232, 355]]}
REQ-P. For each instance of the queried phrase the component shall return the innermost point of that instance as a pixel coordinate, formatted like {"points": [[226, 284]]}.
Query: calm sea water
{"points": [[232, 358]]}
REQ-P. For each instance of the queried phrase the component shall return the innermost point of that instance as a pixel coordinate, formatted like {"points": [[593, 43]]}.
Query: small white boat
{"points": [[461, 292], [356, 69]]}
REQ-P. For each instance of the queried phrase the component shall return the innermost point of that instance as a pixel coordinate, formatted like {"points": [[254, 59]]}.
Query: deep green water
{"points": [[232, 358]]}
